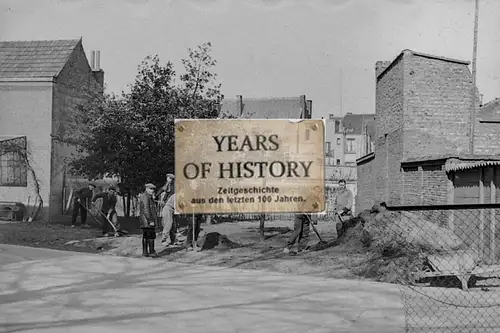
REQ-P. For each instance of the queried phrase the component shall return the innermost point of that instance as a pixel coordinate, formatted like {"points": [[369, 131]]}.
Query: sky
{"points": [[324, 49]]}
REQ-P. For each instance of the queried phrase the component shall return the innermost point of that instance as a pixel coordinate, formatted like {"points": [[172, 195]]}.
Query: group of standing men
{"points": [[149, 220]]}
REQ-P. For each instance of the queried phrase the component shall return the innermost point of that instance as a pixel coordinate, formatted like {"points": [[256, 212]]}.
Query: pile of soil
{"points": [[216, 241], [396, 245], [394, 229]]}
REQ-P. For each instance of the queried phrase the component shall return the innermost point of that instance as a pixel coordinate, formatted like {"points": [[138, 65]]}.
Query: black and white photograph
{"points": [[240, 166]]}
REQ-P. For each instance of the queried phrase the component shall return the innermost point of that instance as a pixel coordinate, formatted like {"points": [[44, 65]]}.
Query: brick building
{"points": [[422, 155], [41, 84]]}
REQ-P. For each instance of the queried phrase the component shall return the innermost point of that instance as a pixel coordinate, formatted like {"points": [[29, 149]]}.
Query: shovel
{"points": [[315, 230]]}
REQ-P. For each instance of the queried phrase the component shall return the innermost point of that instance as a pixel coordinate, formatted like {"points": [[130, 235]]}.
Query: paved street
{"points": [[73, 292]]}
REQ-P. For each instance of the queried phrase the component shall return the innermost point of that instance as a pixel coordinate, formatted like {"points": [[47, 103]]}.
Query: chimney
{"points": [[303, 107], [309, 109], [92, 59], [95, 65], [239, 104], [380, 66], [97, 61]]}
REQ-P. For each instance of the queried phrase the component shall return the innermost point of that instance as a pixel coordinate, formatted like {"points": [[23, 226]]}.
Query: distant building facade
{"points": [[348, 138], [267, 107], [41, 84]]}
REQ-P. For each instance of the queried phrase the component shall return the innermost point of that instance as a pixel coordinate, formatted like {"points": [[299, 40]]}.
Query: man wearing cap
{"points": [[81, 203], [108, 210], [343, 206], [148, 220], [167, 189]]}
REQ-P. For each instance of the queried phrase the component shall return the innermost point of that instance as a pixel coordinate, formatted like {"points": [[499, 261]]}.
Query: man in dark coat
{"points": [[81, 203], [148, 219], [300, 233], [108, 210]]}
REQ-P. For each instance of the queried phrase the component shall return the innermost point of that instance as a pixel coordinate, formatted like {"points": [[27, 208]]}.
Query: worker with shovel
{"points": [[343, 207], [300, 234], [108, 212], [81, 204]]}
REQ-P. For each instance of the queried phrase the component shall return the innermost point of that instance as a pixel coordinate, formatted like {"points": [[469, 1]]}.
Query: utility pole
{"points": [[340, 97], [473, 97]]}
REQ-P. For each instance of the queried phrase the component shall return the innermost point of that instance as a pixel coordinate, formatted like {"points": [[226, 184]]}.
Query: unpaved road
{"points": [[64, 291]]}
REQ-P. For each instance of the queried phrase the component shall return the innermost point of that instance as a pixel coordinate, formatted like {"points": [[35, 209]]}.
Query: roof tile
{"points": [[31, 59]]}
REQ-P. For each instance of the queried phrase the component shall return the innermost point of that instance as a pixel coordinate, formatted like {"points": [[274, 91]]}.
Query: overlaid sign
{"points": [[249, 166]]}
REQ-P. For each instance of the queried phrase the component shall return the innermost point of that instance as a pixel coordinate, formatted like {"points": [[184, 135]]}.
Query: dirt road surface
{"points": [[99, 293]]}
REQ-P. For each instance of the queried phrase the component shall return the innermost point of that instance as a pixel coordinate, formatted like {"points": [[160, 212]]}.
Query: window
{"points": [[338, 141], [350, 146], [328, 147], [12, 162], [337, 126], [338, 161]]}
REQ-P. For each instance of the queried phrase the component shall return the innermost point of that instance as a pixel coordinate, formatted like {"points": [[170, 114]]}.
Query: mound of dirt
{"points": [[216, 241], [409, 230], [396, 243]]}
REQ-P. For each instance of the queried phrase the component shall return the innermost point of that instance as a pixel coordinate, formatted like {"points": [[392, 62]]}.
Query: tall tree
{"points": [[132, 135]]}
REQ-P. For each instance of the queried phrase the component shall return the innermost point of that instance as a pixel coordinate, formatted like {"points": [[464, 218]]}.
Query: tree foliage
{"points": [[131, 135]]}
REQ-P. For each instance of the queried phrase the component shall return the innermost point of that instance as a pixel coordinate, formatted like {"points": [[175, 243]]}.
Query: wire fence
{"points": [[447, 260]]}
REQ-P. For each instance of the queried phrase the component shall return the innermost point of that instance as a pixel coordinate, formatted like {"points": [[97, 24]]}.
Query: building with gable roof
{"points": [[41, 85]]}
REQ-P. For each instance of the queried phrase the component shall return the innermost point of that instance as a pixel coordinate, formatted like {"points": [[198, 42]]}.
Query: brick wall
{"points": [[395, 154], [75, 84], [487, 139], [435, 185], [389, 122], [411, 185], [487, 135], [437, 106], [389, 99], [424, 184], [365, 185]]}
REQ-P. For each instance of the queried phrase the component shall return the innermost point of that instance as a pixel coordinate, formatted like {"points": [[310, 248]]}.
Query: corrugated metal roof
{"points": [[463, 157], [264, 108], [34, 59], [455, 164]]}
